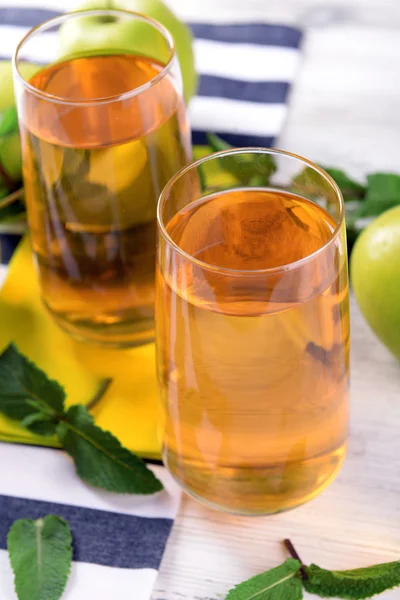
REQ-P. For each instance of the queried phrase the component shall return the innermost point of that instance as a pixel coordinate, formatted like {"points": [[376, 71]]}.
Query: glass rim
{"points": [[101, 100], [249, 272]]}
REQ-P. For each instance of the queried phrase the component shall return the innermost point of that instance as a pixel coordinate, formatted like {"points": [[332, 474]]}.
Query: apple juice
{"points": [[253, 354], [97, 150]]}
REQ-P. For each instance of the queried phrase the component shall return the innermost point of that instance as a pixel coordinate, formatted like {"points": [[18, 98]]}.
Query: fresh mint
{"points": [[356, 584], [350, 189], [11, 211], [383, 192], [310, 184], [287, 581], [249, 169], [99, 457], [41, 555], [279, 583], [28, 396]]}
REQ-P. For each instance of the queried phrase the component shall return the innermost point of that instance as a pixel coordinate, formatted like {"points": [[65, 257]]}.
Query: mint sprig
{"points": [[350, 189], [356, 584], [41, 555], [28, 396], [254, 170], [287, 581]]}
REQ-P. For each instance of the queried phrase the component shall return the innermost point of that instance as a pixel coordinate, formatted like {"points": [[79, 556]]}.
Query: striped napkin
{"points": [[245, 75], [118, 540]]}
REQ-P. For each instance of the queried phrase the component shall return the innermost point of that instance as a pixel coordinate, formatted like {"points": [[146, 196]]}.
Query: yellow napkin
{"points": [[128, 408]]}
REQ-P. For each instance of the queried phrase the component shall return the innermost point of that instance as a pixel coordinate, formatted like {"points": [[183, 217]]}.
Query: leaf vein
{"points": [[270, 587], [102, 449]]}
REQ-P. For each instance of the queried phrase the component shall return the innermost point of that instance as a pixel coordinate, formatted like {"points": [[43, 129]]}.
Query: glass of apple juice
{"points": [[103, 127], [252, 330]]}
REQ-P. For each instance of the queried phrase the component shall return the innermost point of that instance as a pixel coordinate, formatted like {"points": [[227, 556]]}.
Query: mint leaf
{"points": [[352, 585], [40, 555], [4, 191], [11, 211], [99, 457], [27, 395], [216, 143], [280, 583], [311, 184], [251, 169], [383, 192], [8, 121], [350, 189]]}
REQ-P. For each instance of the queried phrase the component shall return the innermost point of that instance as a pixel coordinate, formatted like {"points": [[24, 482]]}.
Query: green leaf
{"points": [[4, 191], [310, 184], [383, 192], [27, 394], [350, 189], [8, 121], [352, 585], [280, 583], [99, 457], [255, 169], [249, 169], [202, 178], [10, 212], [40, 555], [216, 143]]}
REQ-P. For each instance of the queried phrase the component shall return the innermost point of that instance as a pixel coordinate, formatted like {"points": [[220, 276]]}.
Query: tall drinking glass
{"points": [[102, 131], [252, 331]]}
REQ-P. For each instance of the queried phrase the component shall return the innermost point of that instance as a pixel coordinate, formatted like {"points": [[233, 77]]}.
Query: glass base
{"points": [[260, 490], [112, 335]]}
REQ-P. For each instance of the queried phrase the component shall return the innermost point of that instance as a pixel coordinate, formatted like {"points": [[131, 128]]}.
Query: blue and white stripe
{"points": [[245, 73], [118, 540]]}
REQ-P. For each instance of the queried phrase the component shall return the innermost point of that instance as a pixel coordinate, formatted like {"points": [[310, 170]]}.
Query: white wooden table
{"points": [[345, 111]]}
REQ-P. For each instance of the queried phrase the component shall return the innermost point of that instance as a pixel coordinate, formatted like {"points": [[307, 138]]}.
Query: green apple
{"points": [[80, 36], [7, 98], [375, 275], [10, 150], [10, 155]]}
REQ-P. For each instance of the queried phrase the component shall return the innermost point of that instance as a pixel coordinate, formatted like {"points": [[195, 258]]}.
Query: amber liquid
{"points": [[253, 368], [93, 174]]}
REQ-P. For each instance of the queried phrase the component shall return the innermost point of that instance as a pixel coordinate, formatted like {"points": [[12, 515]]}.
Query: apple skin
{"points": [[10, 149], [7, 98], [82, 36]]}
